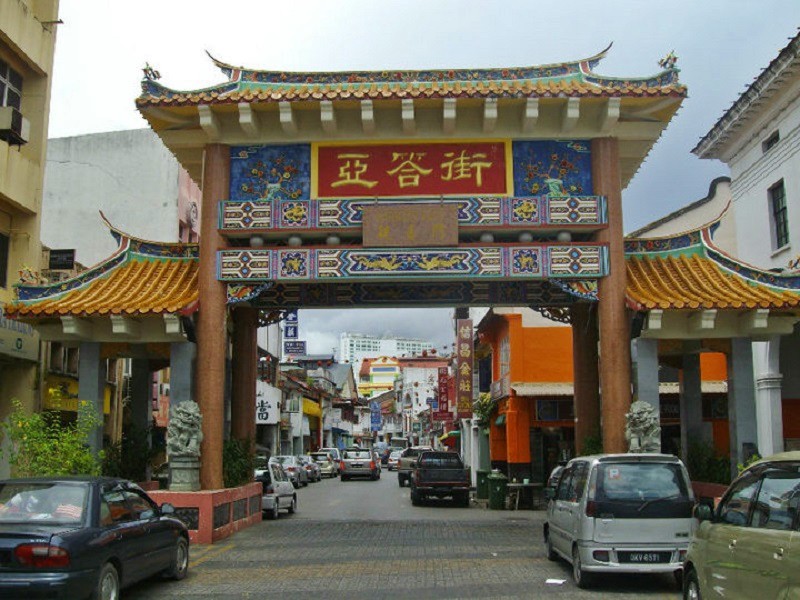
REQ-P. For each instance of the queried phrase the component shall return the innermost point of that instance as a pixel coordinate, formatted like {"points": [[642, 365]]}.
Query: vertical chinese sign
{"points": [[375, 420], [443, 412], [464, 367]]}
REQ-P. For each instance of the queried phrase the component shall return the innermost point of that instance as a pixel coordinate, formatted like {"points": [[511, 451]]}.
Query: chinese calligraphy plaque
{"points": [[410, 226], [397, 170]]}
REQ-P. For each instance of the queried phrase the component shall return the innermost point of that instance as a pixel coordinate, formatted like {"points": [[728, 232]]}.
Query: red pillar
{"points": [[244, 371], [586, 375], [211, 318], [615, 349]]}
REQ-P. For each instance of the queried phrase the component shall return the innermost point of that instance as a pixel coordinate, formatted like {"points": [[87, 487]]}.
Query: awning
{"points": [[501, 420], [450, 435], [311, 408]]}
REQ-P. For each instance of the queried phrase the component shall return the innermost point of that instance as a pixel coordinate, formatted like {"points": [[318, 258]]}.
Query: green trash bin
{"points": [[482, 492], [497, 490]]}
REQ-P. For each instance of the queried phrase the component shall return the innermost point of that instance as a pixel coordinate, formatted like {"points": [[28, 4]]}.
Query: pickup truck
{"points": [[405, 466], [440, 474]]}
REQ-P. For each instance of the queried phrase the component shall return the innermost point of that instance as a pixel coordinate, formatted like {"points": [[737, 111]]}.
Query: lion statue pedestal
{"points": [[183, 447]]}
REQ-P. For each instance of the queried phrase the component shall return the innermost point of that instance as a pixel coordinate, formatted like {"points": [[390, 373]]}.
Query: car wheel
{"points": [[400, 481], [293, 505], [274, 513], [465, 500], [180, 560], [416, 499], [582, 579], [691, 586], [551, 554], [107, 584], [295, 484]]}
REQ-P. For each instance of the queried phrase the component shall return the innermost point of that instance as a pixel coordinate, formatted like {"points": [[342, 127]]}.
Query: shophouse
{"points": [[377, 375], [27, 43], [758, 137]]}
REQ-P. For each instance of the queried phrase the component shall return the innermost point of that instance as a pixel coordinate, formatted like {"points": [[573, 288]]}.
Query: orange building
{"points": [[533, 425]]}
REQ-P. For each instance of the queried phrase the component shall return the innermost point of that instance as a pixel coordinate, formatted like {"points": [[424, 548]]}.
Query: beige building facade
{"points": [[27, 44]]}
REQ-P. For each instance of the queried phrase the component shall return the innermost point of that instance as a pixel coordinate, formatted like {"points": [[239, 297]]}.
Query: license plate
{"points": [[356, 465], [644, 557]]}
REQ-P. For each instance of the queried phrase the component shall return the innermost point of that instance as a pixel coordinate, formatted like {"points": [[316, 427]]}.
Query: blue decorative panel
{"points": [[270, 172], [552, 168]]}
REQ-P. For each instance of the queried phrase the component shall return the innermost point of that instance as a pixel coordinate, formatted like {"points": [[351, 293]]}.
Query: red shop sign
{"points": [[432, 169]]}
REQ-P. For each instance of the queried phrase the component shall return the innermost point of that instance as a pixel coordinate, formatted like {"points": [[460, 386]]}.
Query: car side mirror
{"points": [[702, 512], [167, 509]]}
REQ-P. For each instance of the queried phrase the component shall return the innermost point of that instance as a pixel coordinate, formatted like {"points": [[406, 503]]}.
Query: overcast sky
{"points": [[721, 46]]}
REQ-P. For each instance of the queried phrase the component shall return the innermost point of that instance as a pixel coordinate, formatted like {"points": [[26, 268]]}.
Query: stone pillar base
{"points": [[184, 474]]}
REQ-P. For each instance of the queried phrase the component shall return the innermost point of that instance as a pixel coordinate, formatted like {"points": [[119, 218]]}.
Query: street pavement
{"points": [[364, 539]]}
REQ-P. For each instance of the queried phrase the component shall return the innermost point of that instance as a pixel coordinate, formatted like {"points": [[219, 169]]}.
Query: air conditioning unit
{"points": [[14, 128]]}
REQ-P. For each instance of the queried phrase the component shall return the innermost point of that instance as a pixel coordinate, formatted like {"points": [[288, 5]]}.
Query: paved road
{"points": [[363, 539]]}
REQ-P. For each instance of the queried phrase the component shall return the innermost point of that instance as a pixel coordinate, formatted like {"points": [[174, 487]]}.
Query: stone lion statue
{"points": [[184, 432], [642, 429]]}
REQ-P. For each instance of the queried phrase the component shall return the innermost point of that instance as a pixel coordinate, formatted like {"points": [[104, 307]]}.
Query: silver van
{"points": [[621, 513]]}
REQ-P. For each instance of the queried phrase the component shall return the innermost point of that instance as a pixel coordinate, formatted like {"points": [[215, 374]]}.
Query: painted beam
{"points": [[567, 261]]}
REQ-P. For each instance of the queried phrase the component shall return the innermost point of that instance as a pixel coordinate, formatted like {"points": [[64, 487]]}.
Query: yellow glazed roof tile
{"points": [[142, 285], [696, 282]]}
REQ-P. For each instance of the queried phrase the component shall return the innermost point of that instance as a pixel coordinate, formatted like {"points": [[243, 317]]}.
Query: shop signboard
{"points": [[290, 332], [18, 340], [61, 260], [464, 367], [268, 404], [443, 413], [296, 347], [375, 415], [409, 225]]}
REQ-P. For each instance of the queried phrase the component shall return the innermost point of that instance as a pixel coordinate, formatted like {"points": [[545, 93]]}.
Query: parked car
{"points": [[277, 491], [357, 462], [334, 452], [73, 537], [327, 465], [394, 458], [622, 513], [312, 468], [296, 471], [440, 474], [747, 547], [406, 463], [555, 476], [378, 462]]}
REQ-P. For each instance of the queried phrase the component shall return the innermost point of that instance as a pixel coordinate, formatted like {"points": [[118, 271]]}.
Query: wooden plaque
{"points": [[410, 225]]}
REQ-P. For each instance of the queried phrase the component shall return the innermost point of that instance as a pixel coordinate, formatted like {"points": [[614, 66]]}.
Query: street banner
{"points": [[375, 415], [294, 347], [464, 367], [290, 332]]}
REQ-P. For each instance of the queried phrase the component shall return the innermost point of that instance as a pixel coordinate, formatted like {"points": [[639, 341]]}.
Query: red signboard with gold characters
{"points": [[464, 367], [402, 170]]}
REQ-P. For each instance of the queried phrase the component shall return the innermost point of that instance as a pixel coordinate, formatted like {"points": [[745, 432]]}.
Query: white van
{"points": [[621, 513]]}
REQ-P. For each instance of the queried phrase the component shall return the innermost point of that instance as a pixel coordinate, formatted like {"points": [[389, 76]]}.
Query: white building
{"points": [[128, 175], [758, 137], [355, 347]]}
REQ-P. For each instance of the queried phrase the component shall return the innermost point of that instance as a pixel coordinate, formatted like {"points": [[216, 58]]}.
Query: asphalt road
{"points": [[364, 539]]}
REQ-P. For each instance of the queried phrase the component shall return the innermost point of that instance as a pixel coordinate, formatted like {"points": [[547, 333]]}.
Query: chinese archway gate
{"points": [[413, 188]]}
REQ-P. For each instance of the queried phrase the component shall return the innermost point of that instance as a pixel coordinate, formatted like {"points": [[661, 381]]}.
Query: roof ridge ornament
{"points": [[668, 62], [150, 73]]}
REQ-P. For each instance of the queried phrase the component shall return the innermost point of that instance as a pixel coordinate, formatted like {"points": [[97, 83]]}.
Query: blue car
{"points": [[75, 537]]}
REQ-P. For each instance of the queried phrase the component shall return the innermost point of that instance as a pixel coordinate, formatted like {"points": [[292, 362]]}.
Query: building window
{"points": [[771, 141], [780, 222], [10, 86], [3, 260]]}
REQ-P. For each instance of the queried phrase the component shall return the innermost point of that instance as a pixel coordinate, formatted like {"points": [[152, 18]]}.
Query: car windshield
{"points": [[320, 457], [445, 460], [640, 481], [285, 460], [357, 454], [395, 454], [61, 503]]}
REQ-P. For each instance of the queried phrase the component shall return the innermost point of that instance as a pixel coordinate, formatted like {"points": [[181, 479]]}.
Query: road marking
{"points": [[209, 554]]}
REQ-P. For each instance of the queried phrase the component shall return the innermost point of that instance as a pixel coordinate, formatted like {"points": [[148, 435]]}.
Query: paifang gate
{"points": [[414, 188]]}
